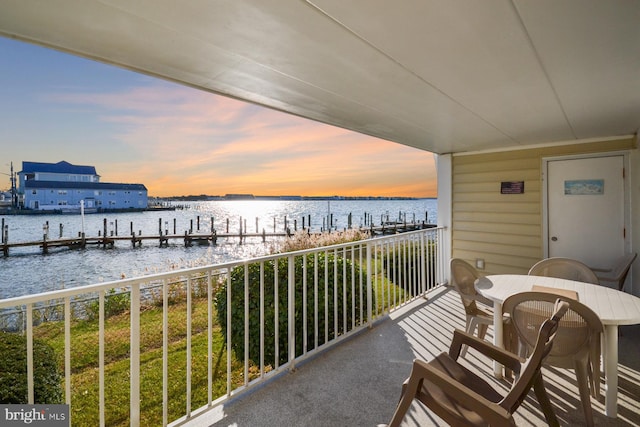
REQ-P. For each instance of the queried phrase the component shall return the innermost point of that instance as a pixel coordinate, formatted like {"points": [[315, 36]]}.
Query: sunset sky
{"points": [[180, 141]]}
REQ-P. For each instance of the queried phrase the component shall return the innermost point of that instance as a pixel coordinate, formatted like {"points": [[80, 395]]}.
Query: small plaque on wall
{"points": [[512, 187]]}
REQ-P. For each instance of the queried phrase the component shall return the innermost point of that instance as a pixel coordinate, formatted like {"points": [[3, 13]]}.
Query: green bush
{"points": [[402, 265], [114, 303], [339, 264], [13, 371]]}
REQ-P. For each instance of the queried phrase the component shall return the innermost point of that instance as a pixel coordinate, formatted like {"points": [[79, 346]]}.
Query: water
{"points": [[26, 271]]}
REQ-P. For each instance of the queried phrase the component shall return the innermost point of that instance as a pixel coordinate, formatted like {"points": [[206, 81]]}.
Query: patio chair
{"points": [[461, 397], [564, 268], [577, 341], [463, 277], [618, 273]]}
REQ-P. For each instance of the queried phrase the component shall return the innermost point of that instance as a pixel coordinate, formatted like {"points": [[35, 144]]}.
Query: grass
{"points": [[84, 364], [85, 354]]}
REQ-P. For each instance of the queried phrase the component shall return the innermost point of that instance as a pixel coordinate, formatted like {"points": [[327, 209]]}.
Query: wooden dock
{"points": [[136, 240], [189, 238]]}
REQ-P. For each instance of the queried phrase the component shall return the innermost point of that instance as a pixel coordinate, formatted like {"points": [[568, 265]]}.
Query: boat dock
{"points": [[188, 238]]}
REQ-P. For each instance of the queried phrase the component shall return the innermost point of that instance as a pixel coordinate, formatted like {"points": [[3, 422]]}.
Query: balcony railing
{"points": [[277, 310]]}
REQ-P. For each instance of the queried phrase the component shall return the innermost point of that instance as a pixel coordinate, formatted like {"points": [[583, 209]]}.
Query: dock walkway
{"points": [[189, 239]]}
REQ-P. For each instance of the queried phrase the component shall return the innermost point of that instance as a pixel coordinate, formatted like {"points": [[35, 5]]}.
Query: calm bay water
{"points": [[26, 271]]}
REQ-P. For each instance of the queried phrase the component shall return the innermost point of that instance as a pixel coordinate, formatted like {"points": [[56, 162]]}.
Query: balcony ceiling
{"points": [[440, 75]]}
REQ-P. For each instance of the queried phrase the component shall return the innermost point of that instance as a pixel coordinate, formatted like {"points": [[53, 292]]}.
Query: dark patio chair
{"points": [[461, 397]]}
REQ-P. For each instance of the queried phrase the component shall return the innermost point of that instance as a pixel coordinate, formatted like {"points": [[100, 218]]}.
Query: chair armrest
{"points": [[506, 358], [477, 297], [490, 411]]}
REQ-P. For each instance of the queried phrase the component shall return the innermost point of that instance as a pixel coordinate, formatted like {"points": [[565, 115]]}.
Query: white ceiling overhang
{"points": [[440, 75]]}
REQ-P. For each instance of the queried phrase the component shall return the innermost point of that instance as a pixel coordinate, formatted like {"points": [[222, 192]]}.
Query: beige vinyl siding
{"points": [[505, 230]]}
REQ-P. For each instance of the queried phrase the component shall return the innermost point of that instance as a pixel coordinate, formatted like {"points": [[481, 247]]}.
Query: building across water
{"points": [[64, 187]]}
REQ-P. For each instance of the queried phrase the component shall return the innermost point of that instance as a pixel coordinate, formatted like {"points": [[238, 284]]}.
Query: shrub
{"points": [[114, 303], [334, 285], [13, 371], [403, 266]]}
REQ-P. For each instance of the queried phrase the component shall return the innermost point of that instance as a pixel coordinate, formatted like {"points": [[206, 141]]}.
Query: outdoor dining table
{"points": [[612, 306]]}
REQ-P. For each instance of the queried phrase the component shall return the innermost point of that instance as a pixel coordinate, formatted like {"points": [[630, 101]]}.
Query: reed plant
{"points": [[304, 240]]}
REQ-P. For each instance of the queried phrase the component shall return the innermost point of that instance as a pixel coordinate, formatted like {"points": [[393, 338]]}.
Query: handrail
{"points": [[339, 290]]}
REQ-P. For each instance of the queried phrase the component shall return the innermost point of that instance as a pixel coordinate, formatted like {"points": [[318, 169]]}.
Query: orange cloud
{"points": [[180, 141]]}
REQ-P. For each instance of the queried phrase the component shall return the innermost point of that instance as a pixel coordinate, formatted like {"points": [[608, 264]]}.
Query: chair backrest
{"points": [[546, 336], [564, 268], [463, 276], [578, 332], [620, 270]]}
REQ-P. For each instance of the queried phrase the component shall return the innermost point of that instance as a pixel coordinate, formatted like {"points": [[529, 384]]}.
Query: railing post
{"points": [[165, 352], [291, 303], [189, 345], [101, 318], [246, 323], [369, 247], [29, 332], [134, 367], [230, 331], [67, 351], [424, 256]]}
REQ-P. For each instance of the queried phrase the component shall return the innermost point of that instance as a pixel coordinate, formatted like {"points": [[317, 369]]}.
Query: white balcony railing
{"points": [[183, 359]]}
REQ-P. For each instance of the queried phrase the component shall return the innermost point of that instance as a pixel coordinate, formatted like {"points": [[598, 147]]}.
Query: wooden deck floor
{"points": [[358, 382]]}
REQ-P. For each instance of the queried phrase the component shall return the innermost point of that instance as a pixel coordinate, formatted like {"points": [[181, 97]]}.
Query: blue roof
{"points": [[60, 167], [84, 185]]}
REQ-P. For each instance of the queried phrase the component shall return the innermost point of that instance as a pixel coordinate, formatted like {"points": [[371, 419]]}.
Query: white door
{"points": [[586, 209]]}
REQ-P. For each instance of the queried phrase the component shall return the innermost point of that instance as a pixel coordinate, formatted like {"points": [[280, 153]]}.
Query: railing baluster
{"points": [[371, 247], [134, 365], [67, 354], [304, 305], [188, 368], [29, 331], [262, 349], [315, 299], [344, 290], [277, 314], [229, 332], [291, 310], [353, 288], [326, 296], [165, 352], [335, 293], [246, 323], [101, 383], [209, 338]]}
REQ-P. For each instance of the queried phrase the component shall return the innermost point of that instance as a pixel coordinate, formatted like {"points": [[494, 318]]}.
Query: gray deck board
{"points": [[357, 383]]}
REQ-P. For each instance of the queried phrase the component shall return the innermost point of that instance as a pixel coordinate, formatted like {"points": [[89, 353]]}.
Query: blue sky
{"points": [[177, 140]]}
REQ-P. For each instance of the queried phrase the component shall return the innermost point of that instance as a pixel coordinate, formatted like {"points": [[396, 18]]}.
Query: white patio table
{"points": [[612, 306]]}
